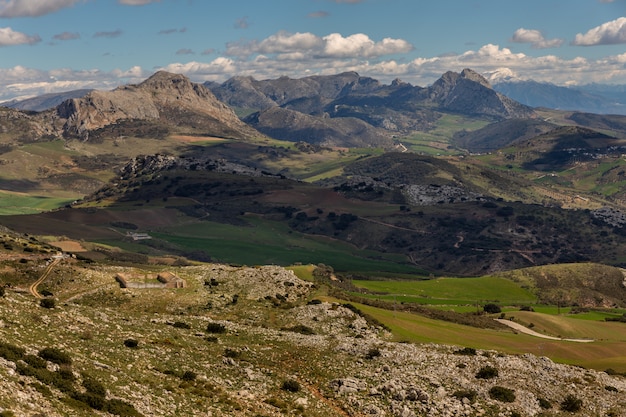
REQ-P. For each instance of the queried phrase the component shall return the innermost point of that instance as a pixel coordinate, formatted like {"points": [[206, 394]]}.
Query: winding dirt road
{"points": [[42, 278], [526, 330]]}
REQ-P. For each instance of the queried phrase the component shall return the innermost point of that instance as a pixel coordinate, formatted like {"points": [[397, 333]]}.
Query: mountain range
{"points": [[439, 159]]}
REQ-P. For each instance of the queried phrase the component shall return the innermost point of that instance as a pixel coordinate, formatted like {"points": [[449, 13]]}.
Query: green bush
{"points": [[571, 404], [47, 303], [131, 343], [35, 361], [372, 353], [215, 328], [487, 372], [181, 325], [55, 355], [290, 385], [502, 394], [468, 351], [300, 328], [189, 376], [94, 386], [545, 404], [121, 408], [492, 308]]}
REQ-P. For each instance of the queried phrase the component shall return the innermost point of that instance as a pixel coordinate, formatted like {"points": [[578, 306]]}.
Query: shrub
{"points": [[492, 308], [290, 385], [94, 386], [487, 372], [131, 343], [181, 325], [2, 291], [47, 303], [231, 353], [215, 328], [35, 361], [502, 394], [189, 376], [372, 353], [300, 328], [571, 404], [470, 394], [468, 351], [121, 408], [545, 404], [55, 355]]}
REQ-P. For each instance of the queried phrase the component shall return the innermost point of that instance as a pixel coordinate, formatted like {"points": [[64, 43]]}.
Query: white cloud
{"points": [[25, 82], [333, 45], [9, 37], [535, 38], [613, 32], [32, 8], [302, 54]]}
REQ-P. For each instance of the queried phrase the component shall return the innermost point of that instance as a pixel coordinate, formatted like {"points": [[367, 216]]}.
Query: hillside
{"points": [[246, 341]]}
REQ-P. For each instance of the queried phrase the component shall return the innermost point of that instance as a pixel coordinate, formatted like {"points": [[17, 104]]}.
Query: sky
{"points": [[49, 46]]}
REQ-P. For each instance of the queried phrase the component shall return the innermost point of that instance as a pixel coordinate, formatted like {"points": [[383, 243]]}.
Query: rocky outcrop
{"points": [[166, 98]]}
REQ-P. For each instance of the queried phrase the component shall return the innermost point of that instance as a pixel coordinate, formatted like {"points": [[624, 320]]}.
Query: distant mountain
{"points": [[170, 100], [45, 101], [399, 108], [586, 99], [500, 134], [294, 126]]}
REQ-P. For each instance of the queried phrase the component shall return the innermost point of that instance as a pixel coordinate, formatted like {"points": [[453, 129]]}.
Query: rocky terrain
{"points": [[247, 341]]}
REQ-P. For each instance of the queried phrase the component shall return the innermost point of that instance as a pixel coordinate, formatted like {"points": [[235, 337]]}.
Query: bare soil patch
{"points": [[69, 246], [192, 139]]}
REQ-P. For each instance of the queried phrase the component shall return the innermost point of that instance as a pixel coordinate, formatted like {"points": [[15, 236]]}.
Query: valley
{"points": [[341, 242]]}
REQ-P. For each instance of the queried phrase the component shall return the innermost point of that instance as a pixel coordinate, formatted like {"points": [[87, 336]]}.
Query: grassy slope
{"points": [[606, 352]]}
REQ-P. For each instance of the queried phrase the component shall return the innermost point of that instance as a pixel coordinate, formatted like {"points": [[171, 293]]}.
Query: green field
{"points": [[606, 351], [267, 242], [11, 203], [461, 292]]}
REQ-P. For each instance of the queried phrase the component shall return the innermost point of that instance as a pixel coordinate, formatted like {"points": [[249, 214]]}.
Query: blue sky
{"points": [[57, 45]]}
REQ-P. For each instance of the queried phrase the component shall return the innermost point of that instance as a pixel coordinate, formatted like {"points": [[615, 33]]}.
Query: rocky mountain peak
{"points": [[170, 99], [472, 75]]}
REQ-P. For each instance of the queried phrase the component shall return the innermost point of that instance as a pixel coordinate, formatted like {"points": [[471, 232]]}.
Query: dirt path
{"points": [[526, 330], [42, 278]]}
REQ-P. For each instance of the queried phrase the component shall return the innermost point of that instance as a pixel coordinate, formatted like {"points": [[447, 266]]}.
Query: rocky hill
{"points": [[243, 341], [166, 98], [294, 126]]}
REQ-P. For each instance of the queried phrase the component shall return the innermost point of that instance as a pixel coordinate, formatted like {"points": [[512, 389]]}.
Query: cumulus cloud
{"points": [[66, 36], [32, 8], [24, 82], [535, 38], [613, 32], [9, 37], [285, 44]]}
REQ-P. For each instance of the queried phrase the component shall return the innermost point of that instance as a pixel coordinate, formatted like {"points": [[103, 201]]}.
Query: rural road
{"points": [[34, 285], [526, 330]]}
